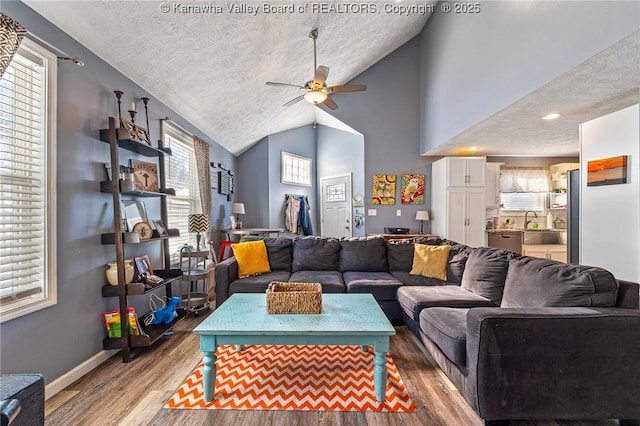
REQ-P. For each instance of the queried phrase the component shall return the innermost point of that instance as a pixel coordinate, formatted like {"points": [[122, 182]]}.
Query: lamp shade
{"points": [[315, 97], [198, 222], [422, 215], [238, 208]]}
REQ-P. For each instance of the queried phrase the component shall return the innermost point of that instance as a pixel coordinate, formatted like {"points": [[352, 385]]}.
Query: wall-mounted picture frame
{"points": [[214, 179], [145, 176], [384, 189], [162, 230], [607, 171], [223, 183], [143, 265], [412, 189]]}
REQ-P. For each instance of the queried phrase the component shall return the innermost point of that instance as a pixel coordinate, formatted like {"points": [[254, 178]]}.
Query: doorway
{"points": [[336, 206]]}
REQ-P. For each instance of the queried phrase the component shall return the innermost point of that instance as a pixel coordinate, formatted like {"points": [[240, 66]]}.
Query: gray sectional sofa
{"points": [[521, 337]]}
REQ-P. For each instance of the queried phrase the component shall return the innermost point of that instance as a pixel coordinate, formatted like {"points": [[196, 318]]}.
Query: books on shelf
{"points": [[111, 322]]}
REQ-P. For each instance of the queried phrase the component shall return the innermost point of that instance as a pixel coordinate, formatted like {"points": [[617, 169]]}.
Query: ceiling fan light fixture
{"points": [[551, 116], [315, 97]]}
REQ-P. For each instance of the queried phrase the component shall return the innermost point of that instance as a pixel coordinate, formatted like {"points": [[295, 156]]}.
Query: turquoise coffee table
{"points": [[346, 319]]}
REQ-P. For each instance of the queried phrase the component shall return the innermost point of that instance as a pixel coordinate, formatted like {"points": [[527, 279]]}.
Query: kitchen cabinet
{"points": [[492, 188], [458, 212], [465, 171], [546, 251]]}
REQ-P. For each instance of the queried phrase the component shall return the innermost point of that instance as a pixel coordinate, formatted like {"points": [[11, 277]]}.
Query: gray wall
{"points": [[253, 185], [340, 153], [474, 65], [57, 339], [387, 115]]}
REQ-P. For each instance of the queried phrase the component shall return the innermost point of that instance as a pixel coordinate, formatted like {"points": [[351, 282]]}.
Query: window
{"points": [[27, 182], [295, 170], [181, 176], [524, 188]]}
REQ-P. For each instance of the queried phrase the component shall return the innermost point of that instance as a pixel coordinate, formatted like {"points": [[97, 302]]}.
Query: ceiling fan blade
{"points": [[330, 103], [271, 83], [347, 88], [294, 101], [321, 75]]}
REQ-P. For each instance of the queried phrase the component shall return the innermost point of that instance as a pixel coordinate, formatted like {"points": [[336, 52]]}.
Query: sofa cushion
{"points": [[315, 254], [414, 299], [537, 283], [447, 328], [257, 283], [430, 261], [458, 256], [331, 281], [252, 258], [407, 279], [400, 251], [486, 271], [279, 252], [382, 285], [364, 254]]}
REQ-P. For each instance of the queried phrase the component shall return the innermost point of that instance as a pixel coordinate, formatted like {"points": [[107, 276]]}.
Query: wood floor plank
{"points": [[135, 393]]}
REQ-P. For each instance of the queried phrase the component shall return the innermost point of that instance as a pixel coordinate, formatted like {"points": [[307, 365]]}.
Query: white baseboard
{"points": [[71, 376]]}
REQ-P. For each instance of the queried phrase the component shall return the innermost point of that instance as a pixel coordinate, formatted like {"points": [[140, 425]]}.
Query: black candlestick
{"points": [[119, 94], [132, 113], [146, 110]]}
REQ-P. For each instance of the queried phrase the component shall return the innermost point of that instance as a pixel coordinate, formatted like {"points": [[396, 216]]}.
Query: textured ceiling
{"points": [[607, 82], [211, 68]]}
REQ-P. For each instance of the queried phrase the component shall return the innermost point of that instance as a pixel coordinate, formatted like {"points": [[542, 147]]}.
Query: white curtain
{"points": [[524, 179]]}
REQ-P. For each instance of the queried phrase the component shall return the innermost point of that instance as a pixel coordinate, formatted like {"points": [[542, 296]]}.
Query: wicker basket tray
{"points": [[294, 298]]}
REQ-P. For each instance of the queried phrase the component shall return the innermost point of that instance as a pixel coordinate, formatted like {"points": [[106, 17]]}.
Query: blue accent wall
{"points": [[57, 339]]}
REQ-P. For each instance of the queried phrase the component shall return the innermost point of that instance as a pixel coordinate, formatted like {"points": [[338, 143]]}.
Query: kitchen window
{"points": [[28, 182], [523, 189]]}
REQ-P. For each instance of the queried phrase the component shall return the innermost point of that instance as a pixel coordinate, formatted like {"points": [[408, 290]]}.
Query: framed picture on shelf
{"points": [[162, 231], [145, 176], [134, 212], [143, 265]]}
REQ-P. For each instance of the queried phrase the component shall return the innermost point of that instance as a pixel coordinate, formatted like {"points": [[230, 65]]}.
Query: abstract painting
{"points": [[607, 171], [412, 189], [384, 189]]}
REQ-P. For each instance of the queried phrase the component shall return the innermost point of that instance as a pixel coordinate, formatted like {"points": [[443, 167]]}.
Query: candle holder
{"points": [[133, 113], [146, 110], [119, 94]]}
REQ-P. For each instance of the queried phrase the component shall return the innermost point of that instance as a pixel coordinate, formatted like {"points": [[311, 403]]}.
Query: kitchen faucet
{"points": [[526, 222]]}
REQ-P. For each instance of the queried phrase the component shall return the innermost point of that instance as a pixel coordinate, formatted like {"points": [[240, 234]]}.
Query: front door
{"points": [[336, 206]]}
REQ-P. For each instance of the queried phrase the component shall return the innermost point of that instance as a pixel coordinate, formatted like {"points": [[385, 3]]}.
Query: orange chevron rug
{"points": [[294, 377]]}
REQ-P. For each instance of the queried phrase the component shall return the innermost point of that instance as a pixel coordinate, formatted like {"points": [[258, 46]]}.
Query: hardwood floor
{"points": [[134, 393]]}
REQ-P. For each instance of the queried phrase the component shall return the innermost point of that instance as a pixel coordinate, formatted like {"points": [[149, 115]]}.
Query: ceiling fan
{"points": [[316, 91]]}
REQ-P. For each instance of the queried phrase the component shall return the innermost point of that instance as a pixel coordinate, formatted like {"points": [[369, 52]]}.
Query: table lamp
{"points": [[422, 216], [198, 223], [238, 209]]}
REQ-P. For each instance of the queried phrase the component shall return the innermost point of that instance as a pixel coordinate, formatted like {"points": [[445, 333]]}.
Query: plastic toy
{"points": [[168, 313]]}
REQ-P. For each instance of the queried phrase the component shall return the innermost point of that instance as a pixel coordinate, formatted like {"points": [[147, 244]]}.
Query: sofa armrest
{"points": [[628, 295], [555, 362], [226, 273]]}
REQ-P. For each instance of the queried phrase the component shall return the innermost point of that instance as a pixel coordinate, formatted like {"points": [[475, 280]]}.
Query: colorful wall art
{"points": [[384, 189], [607, 171], [412, 189]]}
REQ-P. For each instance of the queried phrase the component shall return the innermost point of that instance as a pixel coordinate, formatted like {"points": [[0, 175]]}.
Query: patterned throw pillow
{"points": [[430, 261], [252, 258]]}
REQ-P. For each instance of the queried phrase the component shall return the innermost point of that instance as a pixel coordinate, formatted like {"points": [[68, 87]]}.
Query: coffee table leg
{"points": [[209, 375], [380, 375]]}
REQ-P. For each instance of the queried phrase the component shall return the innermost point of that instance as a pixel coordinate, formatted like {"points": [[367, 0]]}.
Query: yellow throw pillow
{"points": [[252, 258], [430, 261]]}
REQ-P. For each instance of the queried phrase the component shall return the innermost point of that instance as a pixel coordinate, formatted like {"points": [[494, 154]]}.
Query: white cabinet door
{"points": [[457, 172], [492, 189], [559, 255], [475, 217], [535, 252], [476, 168], [456, 215]]}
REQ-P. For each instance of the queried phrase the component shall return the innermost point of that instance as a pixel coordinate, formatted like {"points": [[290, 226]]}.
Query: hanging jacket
{"points": [[304, 219], [291, 214]]}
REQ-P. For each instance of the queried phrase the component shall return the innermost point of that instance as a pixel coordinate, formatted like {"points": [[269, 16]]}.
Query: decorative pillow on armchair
{"points": [[252, 258]]}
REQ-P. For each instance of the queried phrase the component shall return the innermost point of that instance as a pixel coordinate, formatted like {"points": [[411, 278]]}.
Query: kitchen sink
{"points": [[532, 237]]}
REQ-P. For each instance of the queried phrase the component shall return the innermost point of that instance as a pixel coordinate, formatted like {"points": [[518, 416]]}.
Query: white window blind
{"points": [[295, 169], [181, 176], [27, 182], [524, 188]]}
